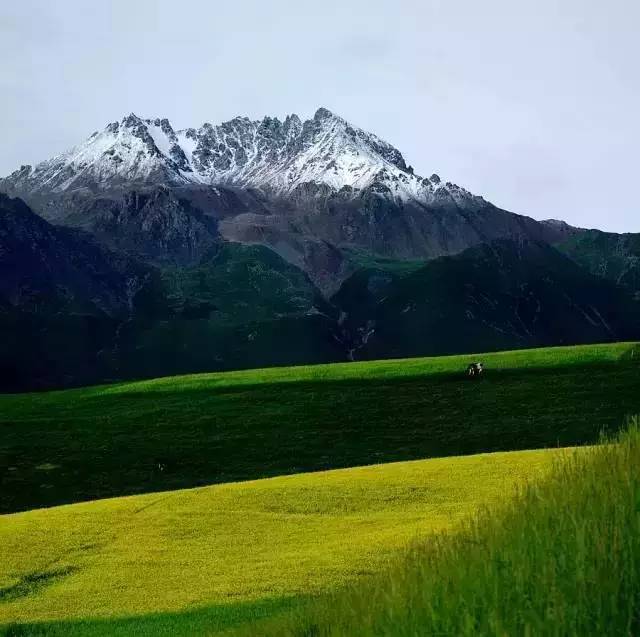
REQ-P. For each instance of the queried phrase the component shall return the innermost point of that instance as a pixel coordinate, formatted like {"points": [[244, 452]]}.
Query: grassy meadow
{"points": [[378, 498], [192, 561], [186, 431], [560, 559]]}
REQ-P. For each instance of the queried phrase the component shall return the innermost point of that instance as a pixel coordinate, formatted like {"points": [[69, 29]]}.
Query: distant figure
{"points": [[474, 370]]}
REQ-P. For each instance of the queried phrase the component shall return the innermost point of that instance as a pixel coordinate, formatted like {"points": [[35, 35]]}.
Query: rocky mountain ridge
{"points": [[272, 155]]}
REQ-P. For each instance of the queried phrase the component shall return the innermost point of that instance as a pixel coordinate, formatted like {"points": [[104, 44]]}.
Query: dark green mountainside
{"points": [[242, 306], [62, 297], [504, 294], [612, 256], [79, 312]]}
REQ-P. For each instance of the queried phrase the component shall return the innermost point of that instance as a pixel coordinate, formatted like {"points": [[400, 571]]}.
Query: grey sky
{"points": [[534, 104]]}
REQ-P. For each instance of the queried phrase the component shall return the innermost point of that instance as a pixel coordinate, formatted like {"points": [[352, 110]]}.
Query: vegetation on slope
{"points": [[236, 551], [612, 256], [563, 558], [80, 314], [241, 306], [495, 296], [194, 430]]}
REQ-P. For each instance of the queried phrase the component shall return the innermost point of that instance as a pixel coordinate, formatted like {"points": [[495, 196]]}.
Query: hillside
{"points": [[82, 312], [62, 297], [504, 294], [104, 441], [244, 306], [562, 558], [170, 563], [615, 257]]}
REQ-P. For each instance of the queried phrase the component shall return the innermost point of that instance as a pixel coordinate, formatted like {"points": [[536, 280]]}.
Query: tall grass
{"points": [[563, 558]]}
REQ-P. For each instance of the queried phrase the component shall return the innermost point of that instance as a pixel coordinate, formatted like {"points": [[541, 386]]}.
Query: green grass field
{"points": [[172, 433], [525, 542], [195, 560], [560, 559]]}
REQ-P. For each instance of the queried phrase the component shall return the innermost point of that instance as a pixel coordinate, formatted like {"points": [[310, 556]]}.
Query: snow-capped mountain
{"points": [[270, 155], [147, 250], [312, 191]]}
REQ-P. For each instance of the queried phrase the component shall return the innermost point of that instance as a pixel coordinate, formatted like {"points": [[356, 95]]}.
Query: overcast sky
{"points": [[534, 104]]}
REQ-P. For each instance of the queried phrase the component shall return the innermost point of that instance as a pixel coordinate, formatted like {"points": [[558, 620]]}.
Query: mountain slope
{"points": [[81, 313], [239, 307], [45, 266], [243, 306], [505, 294], [615, 257], [61, 299]]}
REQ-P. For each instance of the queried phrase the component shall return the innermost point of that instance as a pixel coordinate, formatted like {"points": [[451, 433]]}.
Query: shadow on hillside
{"points": [[105, 445], [195, 622]]}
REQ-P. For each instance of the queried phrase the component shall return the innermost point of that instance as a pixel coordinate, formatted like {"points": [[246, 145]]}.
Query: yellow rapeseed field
{"points": [[262, 540]]}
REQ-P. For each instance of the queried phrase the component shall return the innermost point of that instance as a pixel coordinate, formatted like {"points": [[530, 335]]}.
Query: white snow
{"points": [[187, 144], [325, 150], [160, 139]]}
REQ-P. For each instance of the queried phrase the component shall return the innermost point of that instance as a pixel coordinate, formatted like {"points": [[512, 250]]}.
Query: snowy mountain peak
{"points": [[268, 154], [324, 113]]}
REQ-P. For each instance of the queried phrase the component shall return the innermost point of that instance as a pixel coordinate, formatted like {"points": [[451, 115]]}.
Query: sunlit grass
{"points": [[406, 367], [563, 558], [260, 541], [321, 554]]}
